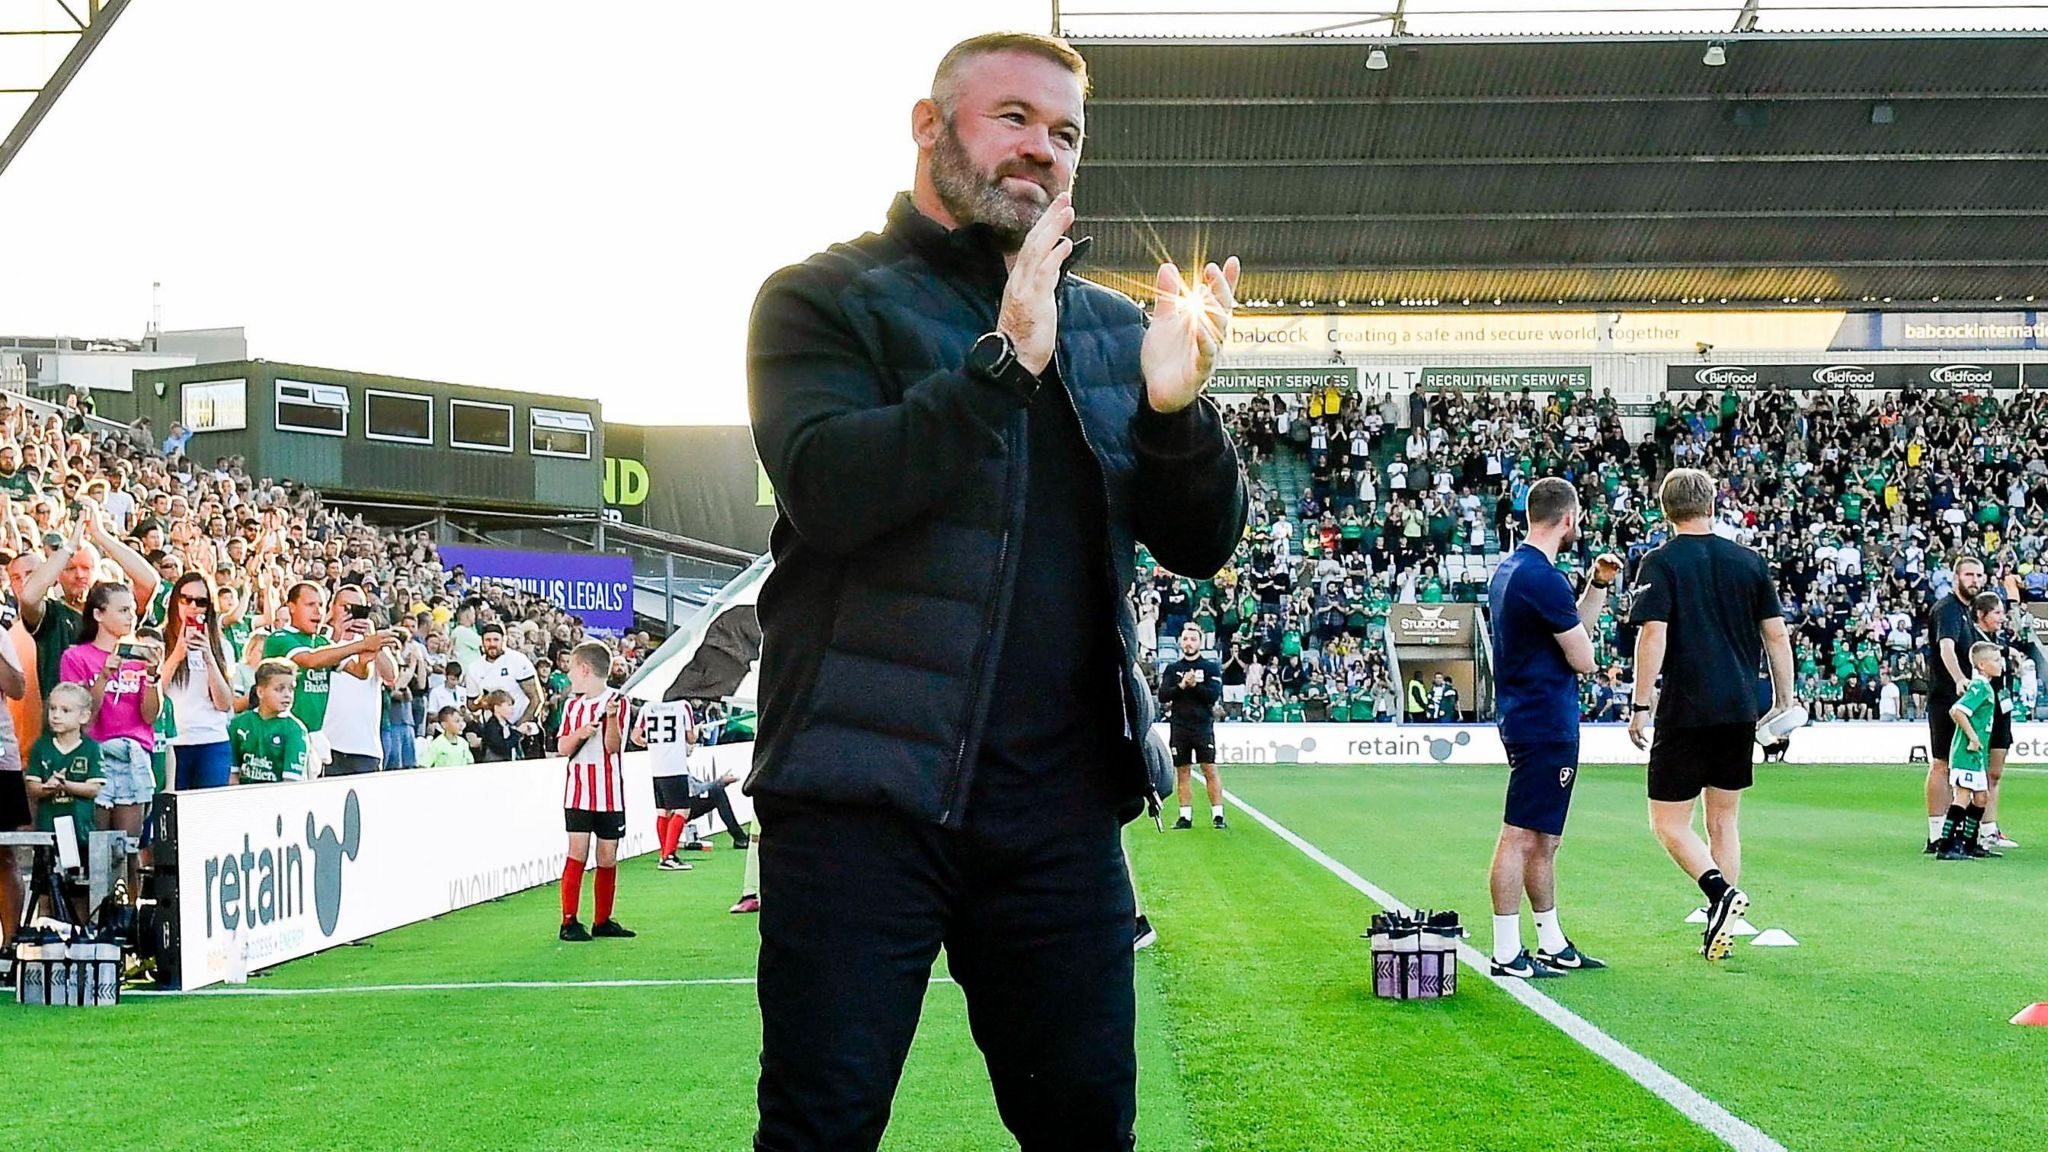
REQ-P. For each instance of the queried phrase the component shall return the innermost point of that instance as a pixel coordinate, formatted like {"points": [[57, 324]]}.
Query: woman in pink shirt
{"points": [[125, 700]]}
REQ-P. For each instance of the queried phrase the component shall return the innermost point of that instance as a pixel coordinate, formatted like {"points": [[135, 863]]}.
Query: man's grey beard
{"points": [[976, 197]]}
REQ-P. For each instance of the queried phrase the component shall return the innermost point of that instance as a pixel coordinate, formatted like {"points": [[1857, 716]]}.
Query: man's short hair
{"points": [[594, 655], [946, 77], [299, 589], [1687, 494], [1550, 498], [446, 711], [489, 628], [1963, 558]]}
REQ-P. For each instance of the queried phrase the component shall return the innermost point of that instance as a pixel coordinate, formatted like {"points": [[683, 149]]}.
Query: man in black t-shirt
{"points": [[1705, 609], [1951, 628], [1189, 690]]}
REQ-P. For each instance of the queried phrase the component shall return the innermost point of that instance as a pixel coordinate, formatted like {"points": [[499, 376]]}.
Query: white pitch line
{"points": [[1732, 1130], [468, 987]]}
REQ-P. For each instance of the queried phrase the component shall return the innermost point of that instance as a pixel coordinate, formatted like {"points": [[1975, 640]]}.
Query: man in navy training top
{"points": [[1706, 613], [1540, 648], [1190, 688]]}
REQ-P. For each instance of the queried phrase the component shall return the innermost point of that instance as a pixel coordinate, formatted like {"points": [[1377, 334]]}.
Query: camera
{"points": [[359, 611], [127, 651]]}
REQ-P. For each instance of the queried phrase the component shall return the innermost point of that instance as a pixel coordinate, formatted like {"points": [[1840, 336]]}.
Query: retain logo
{"points": [[263, 887], [328, 851]]}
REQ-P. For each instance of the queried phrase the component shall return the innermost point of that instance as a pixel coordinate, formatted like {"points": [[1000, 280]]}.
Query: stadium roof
{"points": [[1587, 170], [42, 46]]}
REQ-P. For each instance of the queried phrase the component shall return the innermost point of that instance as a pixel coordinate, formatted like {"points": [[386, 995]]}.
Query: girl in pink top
{"points": [[125, 701]]}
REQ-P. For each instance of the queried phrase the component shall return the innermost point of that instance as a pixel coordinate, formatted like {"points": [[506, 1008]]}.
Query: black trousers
{"points": [[1035, 916], [717, 800]]}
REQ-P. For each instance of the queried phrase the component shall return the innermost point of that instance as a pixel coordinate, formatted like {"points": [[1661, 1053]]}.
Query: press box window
{"points": [[215, 405], [560, 433], [321, 409], [483, 426], [398, 416]]}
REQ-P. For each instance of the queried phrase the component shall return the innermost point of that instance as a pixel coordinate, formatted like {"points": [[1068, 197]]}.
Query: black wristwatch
{"points": [[994, 359]]}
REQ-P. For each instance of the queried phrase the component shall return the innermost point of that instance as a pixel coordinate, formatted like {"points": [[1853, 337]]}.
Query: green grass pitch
{"points": [[1885, 1029]]}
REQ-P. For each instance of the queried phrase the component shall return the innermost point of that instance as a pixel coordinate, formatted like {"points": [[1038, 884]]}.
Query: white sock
{"points": [[1934, 827], [1549, 936], [1989, 828], [1187, 812], [1507, 937], [1216, 810]]}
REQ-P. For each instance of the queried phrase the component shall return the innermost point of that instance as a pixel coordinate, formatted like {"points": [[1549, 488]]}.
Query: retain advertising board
{"points": [[1955, 375], [1863, 742], [271, 872]]}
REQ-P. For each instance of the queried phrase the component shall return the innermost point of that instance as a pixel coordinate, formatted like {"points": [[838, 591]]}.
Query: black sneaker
{"points": [[1218, 824], [612, 930], [573, 930], [740, 840], [1183, 824], [1950, 850], [1571, 959], [1144, 936], [674, 862], [1717, 942], [1522, 967], [1933, 848], [1977, 851]]}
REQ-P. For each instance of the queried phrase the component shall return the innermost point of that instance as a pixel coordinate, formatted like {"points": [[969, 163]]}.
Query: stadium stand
{"points": [[63, 469], [1860, 500]]}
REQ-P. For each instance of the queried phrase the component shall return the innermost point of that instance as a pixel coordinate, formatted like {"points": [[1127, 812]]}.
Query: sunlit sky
{"points": [[563, 197]]}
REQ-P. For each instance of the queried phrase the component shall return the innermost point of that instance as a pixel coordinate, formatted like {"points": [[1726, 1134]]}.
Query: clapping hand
{"points": [[1189, 325], [1606, 568]]}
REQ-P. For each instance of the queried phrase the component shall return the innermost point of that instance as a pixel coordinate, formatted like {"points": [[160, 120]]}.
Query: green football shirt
{"points": [[1980, 700], [309, 700], [81, 764], [265, 751]]}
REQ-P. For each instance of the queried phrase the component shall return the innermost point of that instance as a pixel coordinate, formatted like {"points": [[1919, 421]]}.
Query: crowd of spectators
{"points": [[161, 585], [1860, 500]]}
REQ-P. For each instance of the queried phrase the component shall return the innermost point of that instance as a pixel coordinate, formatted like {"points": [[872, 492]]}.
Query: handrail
{"points": [[52, 408]]}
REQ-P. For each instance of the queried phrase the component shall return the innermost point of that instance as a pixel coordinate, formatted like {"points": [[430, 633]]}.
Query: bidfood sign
{"points": [[1432, 625], [1808, 377], [1722, 376]]}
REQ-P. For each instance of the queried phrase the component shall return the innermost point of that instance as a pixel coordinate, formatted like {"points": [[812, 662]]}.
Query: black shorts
{"points": [[1191, 747], [1540, 780], [14, 814], [604, 825], [2001, 731], [672, 792], [1686, 761], [1941, 729]]}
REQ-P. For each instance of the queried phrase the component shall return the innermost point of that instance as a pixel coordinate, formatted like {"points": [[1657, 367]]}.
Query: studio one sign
{"points": [[1958, 375], [1433, 625]]}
